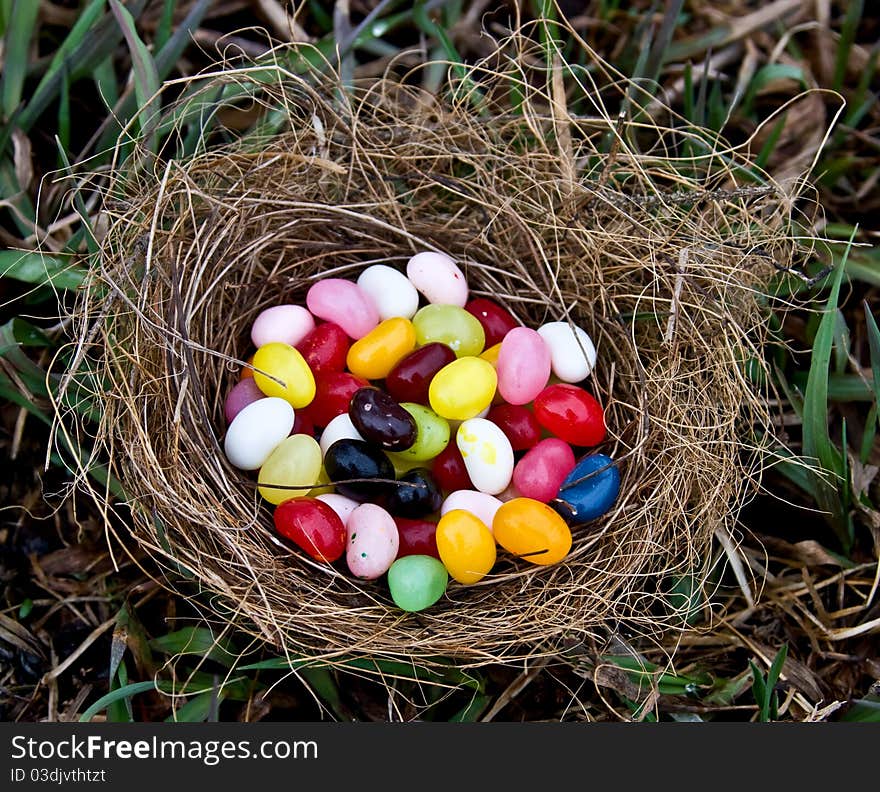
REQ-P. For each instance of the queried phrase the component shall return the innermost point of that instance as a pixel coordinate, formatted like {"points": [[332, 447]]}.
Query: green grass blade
{"points": [[759, 691], [33, 267], [119, 694], [196, 641], [864, 710], [874, 347], [848, 30], [198, 709], [16, 47]]}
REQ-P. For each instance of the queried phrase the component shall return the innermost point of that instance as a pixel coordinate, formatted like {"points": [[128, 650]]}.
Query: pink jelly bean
{"points": [[344, 303], [540, 473], [373, 541], [242, 394], [288, 324], [523, 366]]}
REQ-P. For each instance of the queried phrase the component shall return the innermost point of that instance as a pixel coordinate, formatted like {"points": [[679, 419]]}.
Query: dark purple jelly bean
{"points": [[381, 420], [409, 380]]}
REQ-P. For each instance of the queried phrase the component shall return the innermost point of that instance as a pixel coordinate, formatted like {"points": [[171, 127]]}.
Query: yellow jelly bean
{"points": [[491, 354], [373, 356], [294, 466], [280, 370], [325, 486], [532, 530], [465, 545], [463, 389]]}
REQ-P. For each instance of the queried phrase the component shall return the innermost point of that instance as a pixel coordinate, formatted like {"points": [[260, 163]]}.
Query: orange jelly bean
{"points": [[247, 371], [379, 351], [465, 546], [532, 530]]}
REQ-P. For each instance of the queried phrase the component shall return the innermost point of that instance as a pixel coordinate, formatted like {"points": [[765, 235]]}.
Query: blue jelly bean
{"points": [[583, 497]]}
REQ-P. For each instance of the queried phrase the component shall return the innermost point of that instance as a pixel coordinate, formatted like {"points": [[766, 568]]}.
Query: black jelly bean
{"points": [[417, 494], [357, 459]]}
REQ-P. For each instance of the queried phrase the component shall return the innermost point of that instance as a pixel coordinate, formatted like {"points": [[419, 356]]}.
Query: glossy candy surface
{"points": [[487, 455], [523, 366], [583, 496], [450, 325], [463, 389], [496, 321], [372, 541], [572, 353], [466, 546], [357, 459], [313, 526], [288, 324], [325, 348], [438, 278], [280, 370], [570, 413], [518, 423], [532, 531], [344, 303], [490, 355], [295, 462], [379, 351], [540, 473], [256, 431], [417, 582], [241, 394], [409, 380], [432, 434], [417, 494], [390, 290], [340, 428], [450, 471], [247, 370], [339, 503], [333, 392], [482, 505], [417, 537], [381, 420]]}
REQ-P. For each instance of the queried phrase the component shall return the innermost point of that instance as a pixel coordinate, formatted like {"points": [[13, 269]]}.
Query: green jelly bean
{"points": [[417, 581], [450, 325], [432, 436]]}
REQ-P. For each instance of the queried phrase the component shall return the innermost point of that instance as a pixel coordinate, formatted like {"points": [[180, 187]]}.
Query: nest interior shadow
{"points": [[553, 215]]}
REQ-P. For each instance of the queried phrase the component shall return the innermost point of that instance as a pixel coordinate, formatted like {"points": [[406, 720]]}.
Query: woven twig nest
{"points": [[597, 219]]}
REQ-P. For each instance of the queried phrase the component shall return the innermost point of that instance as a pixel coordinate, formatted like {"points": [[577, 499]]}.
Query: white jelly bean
{"points": [[256, 432], [572, 354], [438, 277], [487, 454], [340, 428], [340, 504], [481, 504], [288, 324], [391, 291]]}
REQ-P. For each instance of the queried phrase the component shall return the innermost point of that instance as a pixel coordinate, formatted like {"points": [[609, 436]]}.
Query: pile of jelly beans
{"points": [[417, 432]]}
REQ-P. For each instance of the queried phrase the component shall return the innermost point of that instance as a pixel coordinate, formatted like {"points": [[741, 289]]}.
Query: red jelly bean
{"points": [[325, 348], [570, 413], [302, 424], [409, 380], [312, 526], [333, 392], [518, 423], [449, 469], [495, 320], [417, 537]]}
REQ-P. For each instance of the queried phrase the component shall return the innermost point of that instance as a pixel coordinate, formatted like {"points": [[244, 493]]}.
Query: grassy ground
{"points": [[80, 639]]}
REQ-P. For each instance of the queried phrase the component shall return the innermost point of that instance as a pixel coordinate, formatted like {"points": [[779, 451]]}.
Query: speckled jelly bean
{"points": [[450, 325], [416, 582], [339, 503], [487, 455], [240, 396], [359, 470], [381, 420], [325, 348], [518, 423], [292, 469], [288, 324], [280, 370], [540, 473], [417, 537], [417, 494], [313, 526], [379, 351], [410, 379], [391, 291], [432, 434], [482, 505], [570, 413], [572, 353], [496, 321], [466, 546], [256, 431], [463, 389], [449, 469], [344, 303], [372, 541], [333, 392], [438, 278], [523, 366], [340, 428], [531, 530], [589, 490]]}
